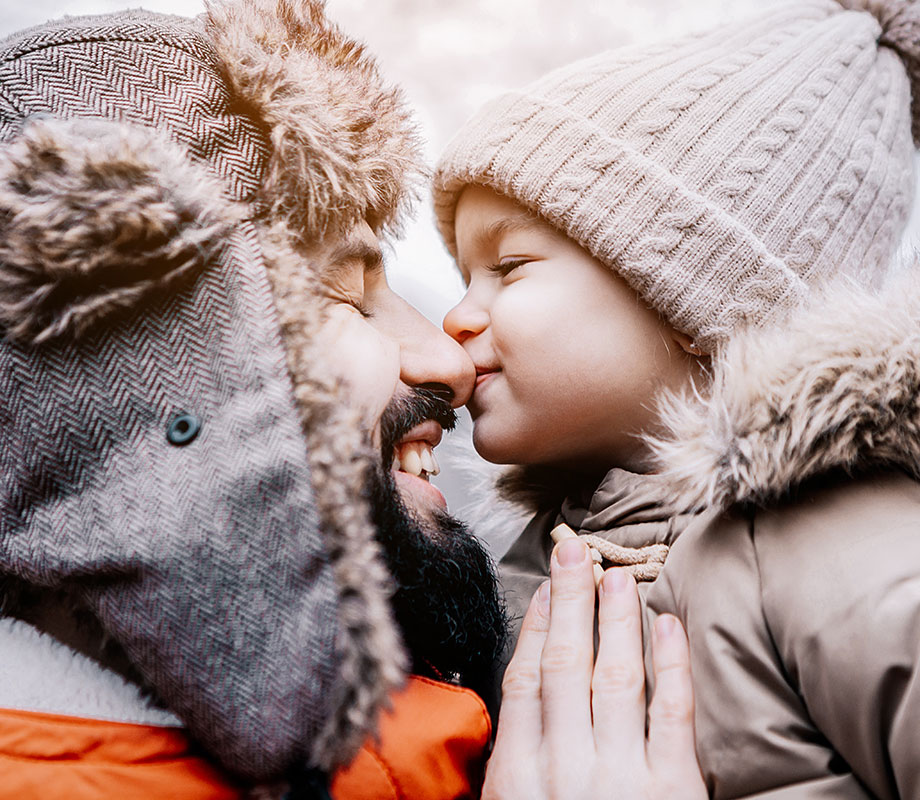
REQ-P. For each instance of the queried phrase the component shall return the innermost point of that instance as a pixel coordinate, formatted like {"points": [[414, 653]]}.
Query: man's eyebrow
{"points": [[364, 252]]}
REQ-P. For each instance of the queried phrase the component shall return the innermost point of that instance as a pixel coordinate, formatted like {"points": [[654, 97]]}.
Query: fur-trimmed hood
{"points": [[835, 387], [161, 182]]}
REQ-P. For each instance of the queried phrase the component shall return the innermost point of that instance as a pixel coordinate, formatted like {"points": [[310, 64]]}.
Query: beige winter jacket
{"points": [[799, 585]]}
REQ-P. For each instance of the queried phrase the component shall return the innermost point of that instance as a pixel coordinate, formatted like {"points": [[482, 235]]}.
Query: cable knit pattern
{"points": [[723, 175]]}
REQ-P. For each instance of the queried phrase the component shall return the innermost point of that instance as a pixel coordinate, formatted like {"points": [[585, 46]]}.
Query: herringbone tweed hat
{"points": [[169, 461], [723, 175]]}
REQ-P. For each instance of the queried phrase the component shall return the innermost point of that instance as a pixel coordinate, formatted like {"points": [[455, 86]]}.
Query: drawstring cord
{"points": [[644, 563]]}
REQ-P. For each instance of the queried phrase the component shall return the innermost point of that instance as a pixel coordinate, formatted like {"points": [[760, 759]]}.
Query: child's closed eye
{"points": [[506, 266]]}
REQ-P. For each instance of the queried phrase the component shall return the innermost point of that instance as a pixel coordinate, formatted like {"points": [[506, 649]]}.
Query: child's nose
{"points": [[465, 320]]}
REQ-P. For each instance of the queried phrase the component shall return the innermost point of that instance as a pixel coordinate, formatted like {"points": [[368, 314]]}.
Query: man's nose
{"points": [[431, 359], [465, 320]]}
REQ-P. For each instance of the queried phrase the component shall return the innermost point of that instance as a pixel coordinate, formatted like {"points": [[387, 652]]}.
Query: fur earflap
{"points": [[835, 387], [343, 145], [372, 660], [96, 217]]}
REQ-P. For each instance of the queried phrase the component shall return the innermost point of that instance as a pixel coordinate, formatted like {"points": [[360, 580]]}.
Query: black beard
{"points": [[446, 602], [405, 411]]}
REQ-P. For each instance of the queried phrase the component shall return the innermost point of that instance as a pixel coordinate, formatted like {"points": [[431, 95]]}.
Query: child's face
{"points": [[568, 358]]}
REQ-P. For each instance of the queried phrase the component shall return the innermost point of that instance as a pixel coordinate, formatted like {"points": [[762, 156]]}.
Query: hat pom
{"points": [[95, 218], [900, 21]]}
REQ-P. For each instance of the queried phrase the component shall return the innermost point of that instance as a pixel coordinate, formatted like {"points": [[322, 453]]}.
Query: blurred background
{"points": [[450, 57]]}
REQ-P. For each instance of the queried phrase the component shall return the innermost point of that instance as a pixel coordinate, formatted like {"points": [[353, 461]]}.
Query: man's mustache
{"points": [[407, 410]]}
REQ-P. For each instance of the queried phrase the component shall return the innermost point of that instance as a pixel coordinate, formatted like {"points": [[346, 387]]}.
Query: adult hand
{"points": [[572, 728]]}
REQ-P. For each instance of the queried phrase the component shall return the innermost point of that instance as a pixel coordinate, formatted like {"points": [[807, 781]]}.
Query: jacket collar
{"points": [[638, 508]]}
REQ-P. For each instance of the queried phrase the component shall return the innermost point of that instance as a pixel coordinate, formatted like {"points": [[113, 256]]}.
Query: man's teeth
{"points": [[428, 463], [411, 462], [416, 458]]}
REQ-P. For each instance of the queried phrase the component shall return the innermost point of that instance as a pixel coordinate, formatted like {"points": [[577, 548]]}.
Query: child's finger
{"points": [[671, 736], [568, 654], [618, 683], [520, 724]]}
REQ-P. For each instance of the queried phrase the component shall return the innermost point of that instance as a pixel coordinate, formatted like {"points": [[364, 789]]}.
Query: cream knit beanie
{"points": [[724, 174]]}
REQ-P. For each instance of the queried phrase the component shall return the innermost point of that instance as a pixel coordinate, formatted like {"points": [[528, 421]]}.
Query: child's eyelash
{"points": [[505, 267]]}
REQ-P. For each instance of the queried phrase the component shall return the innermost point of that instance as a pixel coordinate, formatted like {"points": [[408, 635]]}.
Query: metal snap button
{"points": [[183, 429]]}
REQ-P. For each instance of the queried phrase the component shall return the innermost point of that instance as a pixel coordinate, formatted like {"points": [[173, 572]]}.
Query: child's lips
{"points": [[484, 374]]}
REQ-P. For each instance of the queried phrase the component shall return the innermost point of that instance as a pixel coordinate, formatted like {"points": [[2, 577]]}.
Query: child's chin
{"points": [[496, 449]]}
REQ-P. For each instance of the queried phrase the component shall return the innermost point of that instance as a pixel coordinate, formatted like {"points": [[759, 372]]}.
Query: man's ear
{"points": [[686, 343]]}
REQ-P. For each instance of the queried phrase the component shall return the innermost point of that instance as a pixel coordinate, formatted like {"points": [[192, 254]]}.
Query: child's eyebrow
{"points": [[505, 225], [486, 236]]}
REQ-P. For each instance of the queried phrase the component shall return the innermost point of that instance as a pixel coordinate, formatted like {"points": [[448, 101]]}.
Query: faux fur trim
{"points": [[96, 217], [372, 659], [343, 149], [835, 387], [343, 145]]}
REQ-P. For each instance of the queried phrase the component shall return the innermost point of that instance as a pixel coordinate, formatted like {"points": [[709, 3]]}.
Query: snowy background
{"points": [[450, 57]]}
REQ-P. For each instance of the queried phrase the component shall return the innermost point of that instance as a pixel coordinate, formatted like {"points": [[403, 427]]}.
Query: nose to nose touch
{"points": [[458, 368]]}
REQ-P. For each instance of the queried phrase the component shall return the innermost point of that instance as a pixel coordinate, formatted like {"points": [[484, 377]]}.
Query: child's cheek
{"points": [[536, 330], [524, 318]]}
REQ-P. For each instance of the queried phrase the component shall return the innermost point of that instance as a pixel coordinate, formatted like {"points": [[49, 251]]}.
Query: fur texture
{"points": [[373, 661], [343, 145], [835, 387], [95, 218], [343, 149]]}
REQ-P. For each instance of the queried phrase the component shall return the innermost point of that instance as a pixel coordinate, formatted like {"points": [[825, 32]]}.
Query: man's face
{"points": [[381, 348], [407, 376]]}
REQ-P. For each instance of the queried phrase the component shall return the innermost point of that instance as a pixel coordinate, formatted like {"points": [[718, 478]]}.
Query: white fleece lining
{"points": [[38, 673]]}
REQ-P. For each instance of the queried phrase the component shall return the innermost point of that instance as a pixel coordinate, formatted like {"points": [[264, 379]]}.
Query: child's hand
{"points": [[570, 729]]}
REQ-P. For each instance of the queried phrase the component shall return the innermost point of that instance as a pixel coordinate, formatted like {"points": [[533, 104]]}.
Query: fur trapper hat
{"points": [[170, 458]]}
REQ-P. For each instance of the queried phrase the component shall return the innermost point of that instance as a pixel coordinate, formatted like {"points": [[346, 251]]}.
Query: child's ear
{"points": [[686, 343]]}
